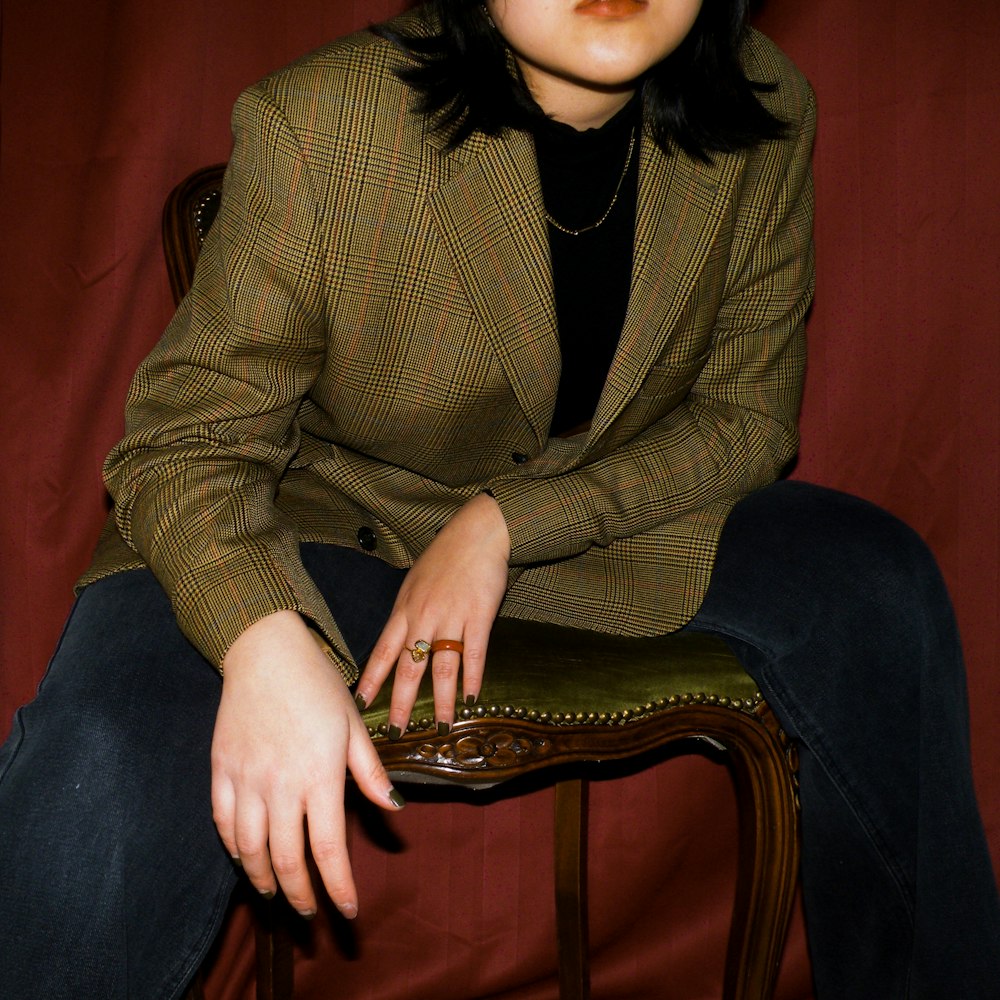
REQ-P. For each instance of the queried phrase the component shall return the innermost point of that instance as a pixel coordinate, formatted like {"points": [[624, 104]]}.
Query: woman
{"points": [[502, 313]]}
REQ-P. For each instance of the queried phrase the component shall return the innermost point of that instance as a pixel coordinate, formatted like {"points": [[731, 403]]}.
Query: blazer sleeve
{"points": [[211, 414], [737, 427]]}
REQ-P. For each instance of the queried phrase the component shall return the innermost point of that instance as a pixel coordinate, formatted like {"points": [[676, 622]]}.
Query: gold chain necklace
{"points": [[607, 211]]}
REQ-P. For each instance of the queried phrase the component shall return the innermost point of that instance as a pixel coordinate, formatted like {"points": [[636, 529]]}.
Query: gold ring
{"points": [[419, 650], [456, 645]]}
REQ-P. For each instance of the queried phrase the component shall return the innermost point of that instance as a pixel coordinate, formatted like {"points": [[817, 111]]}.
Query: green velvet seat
{"points": [[555, 676], [556, 696]]}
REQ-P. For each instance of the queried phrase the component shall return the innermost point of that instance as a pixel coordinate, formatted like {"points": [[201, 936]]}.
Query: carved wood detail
{"points": [[478, 750]]}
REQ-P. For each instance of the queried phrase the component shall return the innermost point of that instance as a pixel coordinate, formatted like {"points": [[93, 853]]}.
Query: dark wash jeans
{"points": [[113, 882]]}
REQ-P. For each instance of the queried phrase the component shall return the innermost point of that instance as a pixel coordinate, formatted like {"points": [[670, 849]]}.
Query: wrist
{"points": [[265, 641], [496, 524]]}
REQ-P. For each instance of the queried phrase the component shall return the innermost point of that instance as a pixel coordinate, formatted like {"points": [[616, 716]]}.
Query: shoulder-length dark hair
{"points": [[698, 97]]}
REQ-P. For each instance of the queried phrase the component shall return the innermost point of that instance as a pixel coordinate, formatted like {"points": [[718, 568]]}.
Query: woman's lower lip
{"points": [[610, 8]]}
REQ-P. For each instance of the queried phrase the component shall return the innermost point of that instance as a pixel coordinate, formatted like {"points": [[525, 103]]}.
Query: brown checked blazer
{"points": [[371, 341]]}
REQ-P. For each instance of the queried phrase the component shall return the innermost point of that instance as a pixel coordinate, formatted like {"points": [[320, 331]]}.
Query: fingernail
{"points": [[348, 910], [396, 799], [359, 700], [470, 699], [307, 914], [237, 860], [267, 893], [395, 732], [443, 729]]}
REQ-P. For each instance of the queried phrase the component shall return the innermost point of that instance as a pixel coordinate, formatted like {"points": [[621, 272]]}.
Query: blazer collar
{"points": [[490, 215], [489, 211], [681, 205]]}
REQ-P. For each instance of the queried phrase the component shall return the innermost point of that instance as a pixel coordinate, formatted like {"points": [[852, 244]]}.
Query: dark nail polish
{"points": [[395, 732], [237, 861], [470, 699], [396, 799], [307, 914], [443, 729], [359, 700], [267, 893]]}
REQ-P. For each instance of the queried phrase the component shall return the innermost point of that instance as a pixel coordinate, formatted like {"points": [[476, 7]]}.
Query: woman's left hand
{"points": [[453, 591]]}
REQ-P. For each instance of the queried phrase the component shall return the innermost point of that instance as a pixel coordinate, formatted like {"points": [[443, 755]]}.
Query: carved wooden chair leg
{"points": [[571, 889], [274, 952], [759, 758]]}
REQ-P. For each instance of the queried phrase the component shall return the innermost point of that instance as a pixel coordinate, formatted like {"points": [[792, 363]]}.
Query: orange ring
{"points": [[455, 645]]}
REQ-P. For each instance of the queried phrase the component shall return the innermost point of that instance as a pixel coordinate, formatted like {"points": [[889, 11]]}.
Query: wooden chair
{"points": [[556, 696]]}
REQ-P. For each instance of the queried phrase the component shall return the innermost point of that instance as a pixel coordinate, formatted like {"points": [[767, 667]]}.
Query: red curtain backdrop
{"points": [[107, 104]]}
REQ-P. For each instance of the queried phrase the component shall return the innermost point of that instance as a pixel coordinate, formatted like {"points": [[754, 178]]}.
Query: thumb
{"points": [[366, 768]]}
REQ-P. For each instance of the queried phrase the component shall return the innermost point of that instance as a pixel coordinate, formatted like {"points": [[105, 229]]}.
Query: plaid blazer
{"points": [[371, 340]]}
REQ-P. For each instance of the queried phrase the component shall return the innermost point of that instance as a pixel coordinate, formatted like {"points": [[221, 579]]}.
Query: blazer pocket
{"points": [[673, 378], [311, 452]]}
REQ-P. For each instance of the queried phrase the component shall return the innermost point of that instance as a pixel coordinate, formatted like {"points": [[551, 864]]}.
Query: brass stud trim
{"points": [[745, 705]]}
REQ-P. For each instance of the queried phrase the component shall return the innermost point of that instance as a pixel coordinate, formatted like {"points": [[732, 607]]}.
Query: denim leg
{"points": [[106, 808], [839, 613], [113, 880]]}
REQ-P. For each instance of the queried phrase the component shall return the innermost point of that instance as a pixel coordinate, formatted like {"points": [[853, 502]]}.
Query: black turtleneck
{"points": [[591, 272]]}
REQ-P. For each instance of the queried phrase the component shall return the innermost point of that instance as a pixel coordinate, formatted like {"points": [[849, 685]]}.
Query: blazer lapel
{"points": [[681, 205], [489, 214]]}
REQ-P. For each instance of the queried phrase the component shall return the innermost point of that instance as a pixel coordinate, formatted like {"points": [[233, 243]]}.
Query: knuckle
{"points": [[373, 774], [327, 850], [408, 670], [250, 845], [444, 666], [381, 653], [287, 865], [222, 817], [474, 651]]}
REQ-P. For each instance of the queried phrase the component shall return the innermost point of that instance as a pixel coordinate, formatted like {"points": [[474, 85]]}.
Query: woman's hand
{"points": [[286, 732], [453, 591]]}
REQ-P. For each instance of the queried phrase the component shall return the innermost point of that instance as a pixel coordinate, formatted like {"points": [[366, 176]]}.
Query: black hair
{"points": [[698, 97]]}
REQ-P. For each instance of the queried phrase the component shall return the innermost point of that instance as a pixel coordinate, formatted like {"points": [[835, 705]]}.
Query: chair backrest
{"points": [[188, 215]]}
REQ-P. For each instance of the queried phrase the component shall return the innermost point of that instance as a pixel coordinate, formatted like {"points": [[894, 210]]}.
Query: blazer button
{"points": [[519, 457], [367, 539]]}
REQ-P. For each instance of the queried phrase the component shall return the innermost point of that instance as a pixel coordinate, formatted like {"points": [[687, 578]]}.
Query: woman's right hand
{"points": [[286, 732]]}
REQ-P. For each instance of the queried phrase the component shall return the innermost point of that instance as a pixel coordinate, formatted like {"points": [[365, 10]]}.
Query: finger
{"points": [[445, 666], [381, 661], [476, 639], [250, 828], [288, 856], [368, 772], [224, 813], [405, 688], [328, 843], [327, 827]]}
